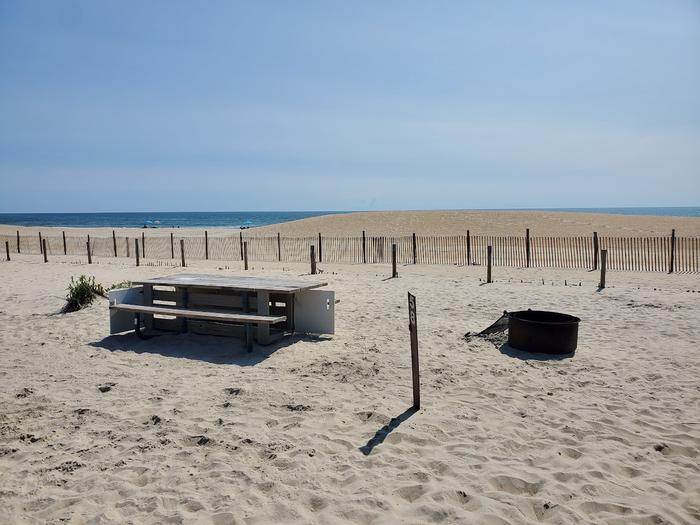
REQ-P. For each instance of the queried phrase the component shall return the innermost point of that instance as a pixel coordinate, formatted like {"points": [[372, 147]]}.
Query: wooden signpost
{"points": [[413, 329]]}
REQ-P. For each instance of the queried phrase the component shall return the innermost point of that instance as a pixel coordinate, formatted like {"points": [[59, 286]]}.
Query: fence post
{"points": [[143, 244], [65, 250], [240, 236], [279, 247], [182, 252], [136, 247], [18, 241], [527, 247], [413, 329], [206, 245], [469, 249], [7, 249], [128, 250], [43, 243], [88, 251], [172, 246], [603, 264], [673, 251], [313, 260], [245, 255], [114, 242], [364, 248], [394, 273], [320, 248], [595, 250], [415, 249], [488, 264]]}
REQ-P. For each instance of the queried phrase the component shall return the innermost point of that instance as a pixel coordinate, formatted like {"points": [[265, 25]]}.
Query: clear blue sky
{"points": [[130, 106]]}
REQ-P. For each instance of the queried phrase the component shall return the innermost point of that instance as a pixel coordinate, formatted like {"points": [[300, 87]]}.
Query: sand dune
{"points": [[192, 428]]}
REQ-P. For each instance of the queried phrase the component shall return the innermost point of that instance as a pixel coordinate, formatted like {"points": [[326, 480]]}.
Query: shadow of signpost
{"points": [[387, 429]]}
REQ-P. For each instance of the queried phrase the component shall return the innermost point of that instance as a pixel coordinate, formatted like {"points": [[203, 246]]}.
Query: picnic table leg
{"points": [[248, 337], [181, 302], [263, 309], [137, 327], [289, 312], [148, 301]]}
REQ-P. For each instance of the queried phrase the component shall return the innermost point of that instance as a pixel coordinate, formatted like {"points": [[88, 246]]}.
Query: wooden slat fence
{"points": [[650, 254]]}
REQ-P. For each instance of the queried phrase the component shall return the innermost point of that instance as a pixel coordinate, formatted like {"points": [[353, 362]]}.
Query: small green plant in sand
{"points": [[122, 284], [82, 292]]}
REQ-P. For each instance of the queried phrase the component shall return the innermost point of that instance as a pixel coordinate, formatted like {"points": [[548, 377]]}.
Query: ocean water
{"points": [[158, 219], [251, 219]]}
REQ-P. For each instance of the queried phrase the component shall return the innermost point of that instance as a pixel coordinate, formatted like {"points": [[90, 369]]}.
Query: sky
{"points": [[363, 105]]}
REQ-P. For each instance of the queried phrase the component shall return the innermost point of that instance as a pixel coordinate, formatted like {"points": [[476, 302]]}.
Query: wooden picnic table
{"points": [[200, 301]]}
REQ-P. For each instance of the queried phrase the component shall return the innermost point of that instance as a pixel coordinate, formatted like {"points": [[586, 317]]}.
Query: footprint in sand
{"points": [[25, 392], [516, 486], [411, 493]]}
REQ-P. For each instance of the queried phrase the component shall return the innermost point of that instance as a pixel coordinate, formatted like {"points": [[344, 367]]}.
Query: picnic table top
{"points": [[232, 282]]}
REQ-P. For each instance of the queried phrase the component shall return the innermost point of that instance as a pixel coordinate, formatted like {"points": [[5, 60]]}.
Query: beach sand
{"points": [[192, 428]]}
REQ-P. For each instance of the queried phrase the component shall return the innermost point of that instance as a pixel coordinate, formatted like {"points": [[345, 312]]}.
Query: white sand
{"points": [[499, 439]]}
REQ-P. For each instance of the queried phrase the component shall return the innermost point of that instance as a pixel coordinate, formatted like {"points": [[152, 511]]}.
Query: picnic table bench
{"points": [[264, 309]]}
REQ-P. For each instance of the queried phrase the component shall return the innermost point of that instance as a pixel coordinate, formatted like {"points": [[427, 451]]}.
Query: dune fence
{"points": [[646, 254]]}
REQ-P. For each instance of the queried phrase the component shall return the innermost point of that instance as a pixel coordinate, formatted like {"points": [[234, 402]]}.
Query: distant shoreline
{"points": [[246, 220], [400, 223]]}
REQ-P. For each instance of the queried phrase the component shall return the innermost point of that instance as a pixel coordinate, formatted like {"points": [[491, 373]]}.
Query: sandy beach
{"points": [[194, 429]]}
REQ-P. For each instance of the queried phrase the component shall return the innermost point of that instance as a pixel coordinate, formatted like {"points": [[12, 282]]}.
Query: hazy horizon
{"points": [[362, 107]]}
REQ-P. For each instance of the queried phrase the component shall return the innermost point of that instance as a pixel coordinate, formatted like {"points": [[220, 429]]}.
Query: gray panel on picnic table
{"points": [[120, 321], [233, 282]]}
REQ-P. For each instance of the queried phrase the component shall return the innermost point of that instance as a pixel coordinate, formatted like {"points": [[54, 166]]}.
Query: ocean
{"points": [[158, 219], [252, 219]]}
